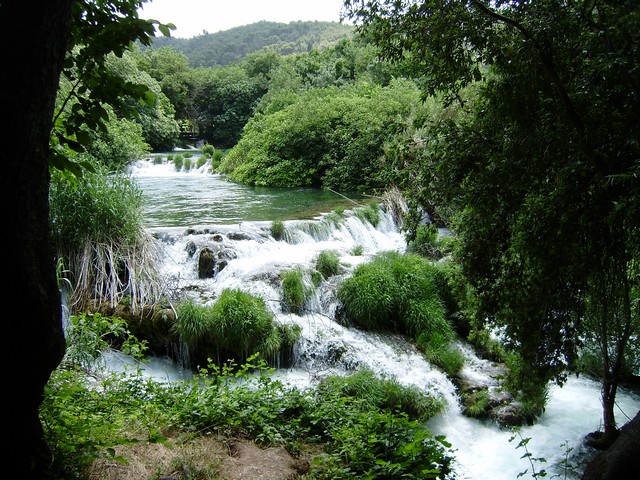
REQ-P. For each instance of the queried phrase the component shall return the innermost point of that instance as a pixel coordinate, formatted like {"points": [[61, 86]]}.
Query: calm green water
{"points": [[174, 199]]}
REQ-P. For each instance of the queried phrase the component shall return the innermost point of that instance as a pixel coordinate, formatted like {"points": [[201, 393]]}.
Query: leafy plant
{"points": [[295, 290], [278, 229], [96, 226], [328, 263], [370, 214]]}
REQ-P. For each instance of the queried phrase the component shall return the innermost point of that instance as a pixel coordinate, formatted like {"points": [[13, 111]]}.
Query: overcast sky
{"points": [[192, 17]]}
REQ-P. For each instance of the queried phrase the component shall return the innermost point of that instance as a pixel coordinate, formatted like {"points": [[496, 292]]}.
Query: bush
{"points": [[381, 393], [208, 151], [241, 321], [178, 161], [370, 213], [370, 297], [97, 227], [402, 294], [295, 291], [439, 351], [278, 229], [328, 263], [236, 326], [424, 241]]}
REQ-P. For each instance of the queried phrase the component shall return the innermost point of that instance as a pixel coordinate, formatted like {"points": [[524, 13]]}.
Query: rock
{"points": [[206, 263], [621, 460], [191, 248]]}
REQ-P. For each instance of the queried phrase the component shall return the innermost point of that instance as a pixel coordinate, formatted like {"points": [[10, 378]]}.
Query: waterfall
{"points": [[251, 259]]}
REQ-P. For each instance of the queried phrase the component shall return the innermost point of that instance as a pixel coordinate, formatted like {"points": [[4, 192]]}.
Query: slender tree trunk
{"points": [[609, 390], [33, 41]]}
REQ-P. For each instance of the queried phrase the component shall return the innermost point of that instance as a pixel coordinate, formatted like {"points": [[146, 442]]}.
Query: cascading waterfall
{"points": [[253, 261]]}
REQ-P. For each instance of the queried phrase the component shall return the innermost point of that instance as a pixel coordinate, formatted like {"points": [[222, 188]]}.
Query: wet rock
{"points": [[206, 263], [239, 236], [191, 248], [509, 415], [621, 459]]}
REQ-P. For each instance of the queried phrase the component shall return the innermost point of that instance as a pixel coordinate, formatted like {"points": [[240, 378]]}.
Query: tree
{"points": [[33, 44], [543, 168]]}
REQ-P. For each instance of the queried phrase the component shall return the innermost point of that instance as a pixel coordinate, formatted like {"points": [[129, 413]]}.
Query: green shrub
{"points": [[426, 316], [424, 241], [401, 293], [97, 227], [439, 351], [241, 321], [178, 161], [295, 291], [370, 297], [328, 263], [186, 166], [208, 151], [527, 385], [357, 250], [236, 326], [476, 404], [194, 325], [370, 213], [382, 393], [278, 229]]}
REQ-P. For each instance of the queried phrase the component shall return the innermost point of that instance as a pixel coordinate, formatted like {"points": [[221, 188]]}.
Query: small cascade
{"points": [[244, 255]]}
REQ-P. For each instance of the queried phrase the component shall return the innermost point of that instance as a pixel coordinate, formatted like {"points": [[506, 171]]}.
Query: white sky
{"points": [[191, 17]]}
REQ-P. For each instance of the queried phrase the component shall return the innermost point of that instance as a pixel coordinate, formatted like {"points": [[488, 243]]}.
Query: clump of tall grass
{"points": [[295, 290], [403, 293], [218, 155], [178, 162], [369, 213], [208, 151], [97, 227], [235, 326], [357, 250], [277, 229], [328, 263], [383, 393]]}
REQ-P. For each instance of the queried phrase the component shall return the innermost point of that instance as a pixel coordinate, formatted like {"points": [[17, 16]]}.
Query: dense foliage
{"points": [[231, 46], [367, 426], [331, 137], [404, 294], [540, 168], [234, 327]]}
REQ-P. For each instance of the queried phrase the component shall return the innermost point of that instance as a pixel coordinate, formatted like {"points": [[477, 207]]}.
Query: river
{"points": [[241, 216]]}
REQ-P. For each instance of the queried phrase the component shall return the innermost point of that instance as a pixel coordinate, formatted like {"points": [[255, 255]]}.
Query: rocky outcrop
{"points": [[621, 460]]}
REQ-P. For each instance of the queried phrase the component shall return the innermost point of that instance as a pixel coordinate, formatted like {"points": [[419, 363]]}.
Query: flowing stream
{"points": [[195, 209]]}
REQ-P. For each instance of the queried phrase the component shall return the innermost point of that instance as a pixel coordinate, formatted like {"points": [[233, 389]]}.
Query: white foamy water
{"points": [[254, 261]]}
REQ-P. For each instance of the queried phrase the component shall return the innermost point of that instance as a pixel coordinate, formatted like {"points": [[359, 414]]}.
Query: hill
{"points": [[229, 46]]}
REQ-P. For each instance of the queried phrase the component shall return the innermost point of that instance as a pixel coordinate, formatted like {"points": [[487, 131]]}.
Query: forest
{"points": [[515, 125]]}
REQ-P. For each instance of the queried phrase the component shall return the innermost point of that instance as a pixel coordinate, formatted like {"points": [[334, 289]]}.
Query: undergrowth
{"points": [[365, 426]]}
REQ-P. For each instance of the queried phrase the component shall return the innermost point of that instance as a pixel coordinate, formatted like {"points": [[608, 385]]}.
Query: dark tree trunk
{"points": [[609, 390], [33, 41]]}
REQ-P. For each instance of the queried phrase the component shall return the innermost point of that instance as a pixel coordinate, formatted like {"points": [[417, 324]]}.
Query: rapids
{"points": [[212, 214]]}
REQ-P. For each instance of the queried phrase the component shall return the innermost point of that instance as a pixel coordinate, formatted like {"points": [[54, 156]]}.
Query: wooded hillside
{"points": [[229, 46]]}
